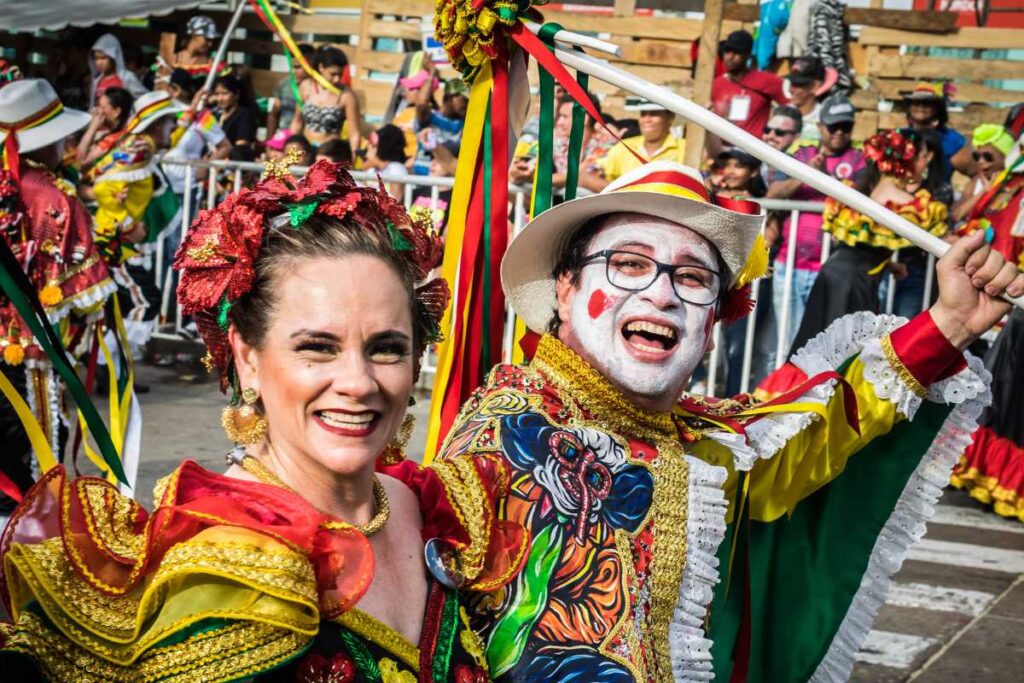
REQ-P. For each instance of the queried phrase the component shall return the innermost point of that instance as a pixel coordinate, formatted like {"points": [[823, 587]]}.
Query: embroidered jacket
{"points": [[627, 509]]}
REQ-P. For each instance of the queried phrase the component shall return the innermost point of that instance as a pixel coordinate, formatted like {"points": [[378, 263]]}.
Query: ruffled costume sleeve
{"points": [[225, 580], [837, 488], [851, 227]]}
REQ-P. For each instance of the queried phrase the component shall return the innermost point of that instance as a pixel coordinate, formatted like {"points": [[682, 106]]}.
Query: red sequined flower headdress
{"points": [[892, 152], [217, 258]]}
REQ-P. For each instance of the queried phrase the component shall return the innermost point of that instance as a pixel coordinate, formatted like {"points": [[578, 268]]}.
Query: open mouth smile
{"points": [[348, 423], [648, 340]]}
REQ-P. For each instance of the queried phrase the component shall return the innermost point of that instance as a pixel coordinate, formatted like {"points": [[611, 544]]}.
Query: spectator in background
{"points": [[445, 157], [440, 124], [809, 81], [338, 151], [849, 281], [107, 127], [196, 58], [743, 95], [107, 69], [324, 114], [385, 153], [402, 111], [740, 177], [781, 132], [991, 143], [237, 111], [301, 147], [655, 143], [835, 155], [284, 92], [927, 106], [911, 268]]}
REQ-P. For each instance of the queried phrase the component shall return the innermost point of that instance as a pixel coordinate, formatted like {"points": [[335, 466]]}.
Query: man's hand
{"points": [[972, 276]]}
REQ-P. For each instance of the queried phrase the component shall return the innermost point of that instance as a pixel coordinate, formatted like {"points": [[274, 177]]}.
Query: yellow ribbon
{"points": [[36, 437]]}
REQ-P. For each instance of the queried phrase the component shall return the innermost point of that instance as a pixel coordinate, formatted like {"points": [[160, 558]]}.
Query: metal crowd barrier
{"points": [[207, 193]]}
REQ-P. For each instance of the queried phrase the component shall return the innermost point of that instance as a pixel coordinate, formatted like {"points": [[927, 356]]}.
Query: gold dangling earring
{"points": [[244, 425], [395, 451]]}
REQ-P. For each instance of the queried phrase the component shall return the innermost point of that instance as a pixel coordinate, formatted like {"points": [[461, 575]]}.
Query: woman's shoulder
{"points": [[220, 562]]}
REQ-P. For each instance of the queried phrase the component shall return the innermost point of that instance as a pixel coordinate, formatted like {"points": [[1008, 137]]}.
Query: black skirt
{"points": [[1005, 360], [845, 284]]}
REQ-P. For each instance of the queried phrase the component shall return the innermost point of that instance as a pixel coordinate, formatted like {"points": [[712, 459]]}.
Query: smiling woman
{"points": [[320, 555]]}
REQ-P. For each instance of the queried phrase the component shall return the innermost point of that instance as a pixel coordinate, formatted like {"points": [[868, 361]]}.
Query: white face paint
{"points": [[652, 365]]}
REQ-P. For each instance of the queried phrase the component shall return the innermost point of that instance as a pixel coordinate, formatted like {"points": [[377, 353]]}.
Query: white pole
{"points": [[748, 340], [715, 124], [716, 334], [782, 344], [890, 292], [929, 278], [222, 49]]}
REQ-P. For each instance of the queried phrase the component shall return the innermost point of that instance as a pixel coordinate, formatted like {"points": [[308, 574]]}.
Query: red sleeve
{"points": [[775, 89], [922, 349]]}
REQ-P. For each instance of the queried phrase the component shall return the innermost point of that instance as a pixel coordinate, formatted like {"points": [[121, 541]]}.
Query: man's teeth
{"points": [[652, 328], [346, 419]]}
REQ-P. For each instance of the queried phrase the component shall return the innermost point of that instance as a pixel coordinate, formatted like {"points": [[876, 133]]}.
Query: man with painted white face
{"points": [[629, 486]]}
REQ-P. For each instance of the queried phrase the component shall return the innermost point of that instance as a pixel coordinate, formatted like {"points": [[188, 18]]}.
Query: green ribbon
{"points": [[546, 147], [579, 117], [16, 286], [485, 308], [299, 213]]}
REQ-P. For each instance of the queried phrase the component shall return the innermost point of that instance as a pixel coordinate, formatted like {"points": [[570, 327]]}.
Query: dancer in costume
{"points": [[992, 469], [620, 482], [299, 563], [49, 234], [849, 281]]}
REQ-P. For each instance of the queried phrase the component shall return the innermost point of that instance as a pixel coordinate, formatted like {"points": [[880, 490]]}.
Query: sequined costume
{"points": [[230, 579], [627, 515], [49, 232], [992, 469]]}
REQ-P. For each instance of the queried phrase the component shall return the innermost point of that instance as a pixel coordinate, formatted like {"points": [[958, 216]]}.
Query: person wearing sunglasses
{"points": [[927, 106], [835, 155], [991, 143]]}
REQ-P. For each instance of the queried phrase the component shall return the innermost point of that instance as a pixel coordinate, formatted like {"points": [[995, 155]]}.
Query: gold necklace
{"points": [[256, 468]]}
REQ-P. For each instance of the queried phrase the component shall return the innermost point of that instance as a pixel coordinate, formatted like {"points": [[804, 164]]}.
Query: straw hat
{"points": [[663, 189], [33, 111], [151, 106]]}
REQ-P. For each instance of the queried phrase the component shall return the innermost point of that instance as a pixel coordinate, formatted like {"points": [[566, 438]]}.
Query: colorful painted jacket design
{"points": [[231, 580], [123, 181], [818, 495]]}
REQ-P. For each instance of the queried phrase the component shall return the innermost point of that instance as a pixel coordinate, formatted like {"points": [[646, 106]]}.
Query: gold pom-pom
{"points": [[50, 295], [756, 265], [14, 354]]}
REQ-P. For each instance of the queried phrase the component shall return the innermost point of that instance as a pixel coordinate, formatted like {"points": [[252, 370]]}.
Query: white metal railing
{"points": [[198, 192]]}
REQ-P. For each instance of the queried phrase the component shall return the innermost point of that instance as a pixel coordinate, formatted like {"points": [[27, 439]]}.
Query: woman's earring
{"points": [[243, 424], [395, 451]]}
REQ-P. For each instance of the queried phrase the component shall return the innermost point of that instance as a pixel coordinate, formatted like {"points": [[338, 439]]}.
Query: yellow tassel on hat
{"points": [[756, 265]]}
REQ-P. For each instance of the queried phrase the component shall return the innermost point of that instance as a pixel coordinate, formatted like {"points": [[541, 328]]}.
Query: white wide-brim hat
{"points": [[151, 106], [662, 189], [32, 108]]}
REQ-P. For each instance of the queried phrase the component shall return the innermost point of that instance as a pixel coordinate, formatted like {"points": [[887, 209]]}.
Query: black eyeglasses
{"points": [[778, 131], [987, 156], [635, 272], [844, 127]]}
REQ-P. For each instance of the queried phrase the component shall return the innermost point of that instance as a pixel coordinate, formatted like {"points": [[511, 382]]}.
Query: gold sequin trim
{"points": [[225, 654], [466, 495], [580, 383], [376, 631], [111, 519], [900, 369]]}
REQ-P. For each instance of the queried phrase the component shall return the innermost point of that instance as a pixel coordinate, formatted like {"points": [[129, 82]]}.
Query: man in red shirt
{"points": [[742, 95]]}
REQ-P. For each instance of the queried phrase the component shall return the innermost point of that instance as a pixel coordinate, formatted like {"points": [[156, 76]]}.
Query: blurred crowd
{"points": [[825, 263]]}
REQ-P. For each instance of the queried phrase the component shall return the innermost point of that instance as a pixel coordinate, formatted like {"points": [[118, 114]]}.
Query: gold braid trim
{"points": [[670, 508], [376, 631], [900, 369], [582, 384], [224, 654], [465, 493], [112, 625]]}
